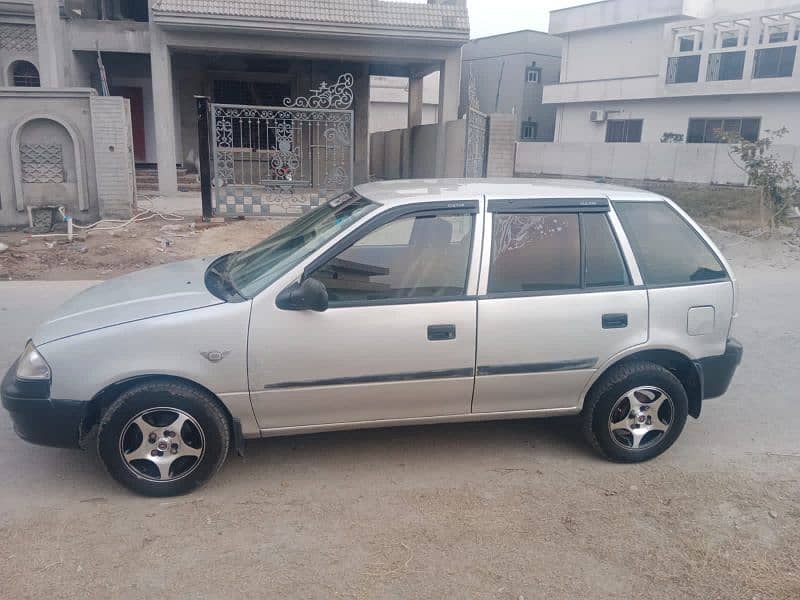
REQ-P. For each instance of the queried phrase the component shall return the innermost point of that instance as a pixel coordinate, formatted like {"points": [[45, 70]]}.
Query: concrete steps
{"points": [[147, 180]]}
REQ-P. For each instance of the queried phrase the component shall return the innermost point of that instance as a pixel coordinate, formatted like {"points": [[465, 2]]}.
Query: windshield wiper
{"points": [[220, 269]]}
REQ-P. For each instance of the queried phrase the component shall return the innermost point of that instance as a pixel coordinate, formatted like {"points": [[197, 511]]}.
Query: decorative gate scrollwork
{"points": [[477, 143], [283, 159], [337, 96], [477, 135]]}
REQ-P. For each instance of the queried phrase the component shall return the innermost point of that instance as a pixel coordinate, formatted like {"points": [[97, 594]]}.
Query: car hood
{"points": [[148, 293]]}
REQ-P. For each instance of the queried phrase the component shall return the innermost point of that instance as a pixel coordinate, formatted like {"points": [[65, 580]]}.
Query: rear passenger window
{"points": [[535, 252], [668, 250], [603, 266]]}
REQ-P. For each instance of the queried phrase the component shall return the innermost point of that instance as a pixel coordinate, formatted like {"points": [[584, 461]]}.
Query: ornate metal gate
{"points": [[287, 159], [477, 143], [476, 149]]}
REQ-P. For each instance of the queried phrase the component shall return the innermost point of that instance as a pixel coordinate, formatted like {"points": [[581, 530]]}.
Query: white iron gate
{"points": [[476, 148], [282, 159]]}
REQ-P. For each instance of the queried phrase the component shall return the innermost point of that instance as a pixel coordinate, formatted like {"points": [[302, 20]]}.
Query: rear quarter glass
{"points": [[669, 251]]}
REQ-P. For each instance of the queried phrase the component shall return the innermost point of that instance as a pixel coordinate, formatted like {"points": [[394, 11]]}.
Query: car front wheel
{"points": [[163, 438], [635, 412]]}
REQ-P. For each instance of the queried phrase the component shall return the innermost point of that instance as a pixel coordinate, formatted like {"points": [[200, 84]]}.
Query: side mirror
{"points": [[311, 294]]}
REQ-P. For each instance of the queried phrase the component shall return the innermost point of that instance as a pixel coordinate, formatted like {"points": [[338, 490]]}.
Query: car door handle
{"points": [[615, 320], [438, 333]]}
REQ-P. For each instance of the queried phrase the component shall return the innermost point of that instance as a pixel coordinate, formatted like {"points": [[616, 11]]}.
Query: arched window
{"points": [[24, 74]]}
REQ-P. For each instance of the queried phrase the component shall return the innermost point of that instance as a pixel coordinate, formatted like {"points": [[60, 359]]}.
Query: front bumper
{"points": [[716, 372], [38, 418]]}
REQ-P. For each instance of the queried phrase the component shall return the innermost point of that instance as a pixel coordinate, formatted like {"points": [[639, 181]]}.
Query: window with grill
{"points": [[778, 34], [714, 131], [42, 163], [725, 66], [529, 129], [624, 130], [729, 39], [774, 62], [686, 43], [25, 74], [533, 74], [683, 69]]}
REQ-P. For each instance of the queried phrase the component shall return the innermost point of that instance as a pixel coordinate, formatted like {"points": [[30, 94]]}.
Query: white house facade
{"points": [[676, 71]]}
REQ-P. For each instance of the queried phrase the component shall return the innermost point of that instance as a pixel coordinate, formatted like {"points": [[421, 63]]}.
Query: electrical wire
{"points": [[145, 215]]}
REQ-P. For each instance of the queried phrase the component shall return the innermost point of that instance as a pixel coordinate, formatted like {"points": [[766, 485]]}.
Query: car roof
{"points": [[404, 191]]}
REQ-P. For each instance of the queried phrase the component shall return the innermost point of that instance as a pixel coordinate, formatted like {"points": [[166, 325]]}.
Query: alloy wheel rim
{"points": [[162, 444], [641, 417]]}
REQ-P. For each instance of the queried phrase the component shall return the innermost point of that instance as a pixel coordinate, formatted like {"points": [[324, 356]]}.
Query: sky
{"points": [[490, 17]]}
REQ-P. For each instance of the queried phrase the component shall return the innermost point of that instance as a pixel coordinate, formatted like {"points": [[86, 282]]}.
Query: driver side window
{"points": [[413, 257]]}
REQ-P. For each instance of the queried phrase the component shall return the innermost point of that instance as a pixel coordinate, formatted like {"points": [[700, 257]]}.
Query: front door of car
{"points": [[557, 302], [397, 340]]}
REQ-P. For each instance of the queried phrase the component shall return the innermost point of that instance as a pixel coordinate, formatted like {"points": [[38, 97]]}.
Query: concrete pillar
{"points": [[361, 123], [752, 41], [50, 33], [449, 91], [164, 112], [415, 100], [708, 36]]}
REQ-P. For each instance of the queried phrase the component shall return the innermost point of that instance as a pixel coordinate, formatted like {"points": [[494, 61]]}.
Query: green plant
{"points": [[775, 178]]}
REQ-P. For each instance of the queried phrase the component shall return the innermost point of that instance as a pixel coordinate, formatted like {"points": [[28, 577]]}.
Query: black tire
{"points": [[607, 395], [206, 434]]}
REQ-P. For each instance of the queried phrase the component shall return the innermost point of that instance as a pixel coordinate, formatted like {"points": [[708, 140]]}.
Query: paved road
{"points": [[494, 510]]}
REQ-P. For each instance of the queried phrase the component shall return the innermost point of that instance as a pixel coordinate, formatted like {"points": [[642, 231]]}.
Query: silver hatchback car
{"points": [[397, 303]]}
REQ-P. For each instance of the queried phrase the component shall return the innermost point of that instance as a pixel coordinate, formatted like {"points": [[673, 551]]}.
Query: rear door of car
{"points": [[556, 300]]}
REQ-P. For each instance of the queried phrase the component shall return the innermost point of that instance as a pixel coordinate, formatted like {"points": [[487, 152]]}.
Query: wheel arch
{"points": [[105, 397], [683, 367]]}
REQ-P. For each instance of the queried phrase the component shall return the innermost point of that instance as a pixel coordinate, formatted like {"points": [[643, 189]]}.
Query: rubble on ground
{"points": [[108, 253]]}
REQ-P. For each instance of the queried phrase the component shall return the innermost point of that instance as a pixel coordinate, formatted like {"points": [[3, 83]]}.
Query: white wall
{"points": [[730, 7], [388, 102], [385, 116], [607, 13], [631, 50], [113, 151], [610, 12], [389, 151], [693, 163], [671, 115]]}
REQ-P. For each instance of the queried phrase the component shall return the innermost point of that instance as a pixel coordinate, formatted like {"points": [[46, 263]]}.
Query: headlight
{"points": [[32, 366]]}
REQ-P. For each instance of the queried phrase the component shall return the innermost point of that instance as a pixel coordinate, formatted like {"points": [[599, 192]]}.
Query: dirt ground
{"points": [[513, 510], [105, 254]]}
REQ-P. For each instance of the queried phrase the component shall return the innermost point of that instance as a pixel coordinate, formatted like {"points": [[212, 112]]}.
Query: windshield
{"points": [[253, 270]]}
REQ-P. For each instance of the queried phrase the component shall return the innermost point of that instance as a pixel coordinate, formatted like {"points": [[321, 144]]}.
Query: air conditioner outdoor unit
{"points": [[598, 116]]}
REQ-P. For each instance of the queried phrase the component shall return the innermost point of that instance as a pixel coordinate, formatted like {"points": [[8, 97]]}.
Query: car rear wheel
{"points": [[163, 438], [635, 412]]}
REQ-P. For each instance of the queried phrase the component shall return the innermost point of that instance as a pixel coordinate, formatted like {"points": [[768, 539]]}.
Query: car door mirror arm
{"points": [[308, 294]]}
